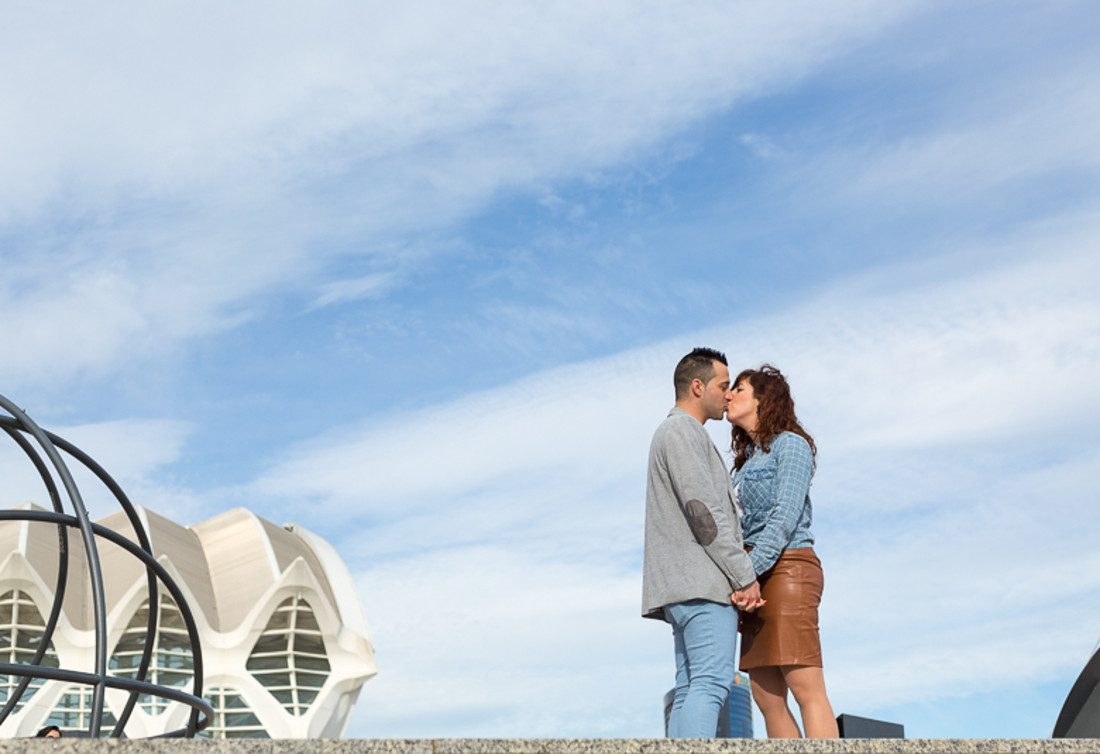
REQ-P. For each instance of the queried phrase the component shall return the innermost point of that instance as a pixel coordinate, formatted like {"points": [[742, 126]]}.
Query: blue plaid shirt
{"points": [[774, 491]]}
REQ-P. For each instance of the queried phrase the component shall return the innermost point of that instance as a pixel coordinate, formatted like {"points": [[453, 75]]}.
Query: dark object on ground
{"points": [[854, 726], [1080, 715]]}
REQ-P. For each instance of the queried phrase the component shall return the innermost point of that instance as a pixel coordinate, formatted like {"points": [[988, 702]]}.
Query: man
{"points": [[696, 573]]}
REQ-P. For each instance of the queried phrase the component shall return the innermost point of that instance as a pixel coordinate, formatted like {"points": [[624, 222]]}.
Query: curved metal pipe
{"points": [[62, 569], [99, 602], [151, 582], [127, 684], [17, 425]]}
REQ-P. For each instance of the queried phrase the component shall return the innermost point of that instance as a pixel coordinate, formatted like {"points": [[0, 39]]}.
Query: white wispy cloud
{"points": [[546, 647], [368, 286], [1018, 137], [999, 576], [133, 452], [218, 153]]}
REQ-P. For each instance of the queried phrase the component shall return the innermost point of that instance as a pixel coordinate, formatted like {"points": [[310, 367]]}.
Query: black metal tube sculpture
{"points": [[44, 454]]}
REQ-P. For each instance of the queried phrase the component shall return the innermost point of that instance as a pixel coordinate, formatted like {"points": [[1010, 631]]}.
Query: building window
{"points": [[73, 712], [232, 717], [289, 657], [171, 663], [21, 630]]}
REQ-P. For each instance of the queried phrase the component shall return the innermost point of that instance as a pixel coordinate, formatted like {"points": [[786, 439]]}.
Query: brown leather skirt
{"points": [[784, 631]]}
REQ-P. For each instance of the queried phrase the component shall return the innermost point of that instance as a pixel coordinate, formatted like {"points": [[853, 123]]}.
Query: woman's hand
{"points": [[748, 598]]}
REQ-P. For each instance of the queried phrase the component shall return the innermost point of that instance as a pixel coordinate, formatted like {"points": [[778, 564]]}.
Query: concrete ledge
{"points": [[557, 746], [764, 746]]}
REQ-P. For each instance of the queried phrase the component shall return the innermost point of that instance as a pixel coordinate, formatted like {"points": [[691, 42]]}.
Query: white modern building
{"points": [[285, 644]]}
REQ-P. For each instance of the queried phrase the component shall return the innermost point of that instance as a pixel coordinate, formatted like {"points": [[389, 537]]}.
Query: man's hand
{"points": [[748, 598]]}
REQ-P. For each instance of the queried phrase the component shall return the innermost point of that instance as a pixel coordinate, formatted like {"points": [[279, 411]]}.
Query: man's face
{"points": [[716, 393]]}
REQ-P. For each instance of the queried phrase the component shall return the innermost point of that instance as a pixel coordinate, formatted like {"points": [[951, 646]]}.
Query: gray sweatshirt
{"points": [[692, 535]]}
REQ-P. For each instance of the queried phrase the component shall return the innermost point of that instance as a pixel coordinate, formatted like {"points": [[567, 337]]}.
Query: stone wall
{"points": [[554, 746]]}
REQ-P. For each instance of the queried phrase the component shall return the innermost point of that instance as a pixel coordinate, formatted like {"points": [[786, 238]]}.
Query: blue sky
{"points": [[416, 277]]}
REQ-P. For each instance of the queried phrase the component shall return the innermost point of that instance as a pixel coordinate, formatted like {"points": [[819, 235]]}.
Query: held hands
{"points": [[748, 598]]}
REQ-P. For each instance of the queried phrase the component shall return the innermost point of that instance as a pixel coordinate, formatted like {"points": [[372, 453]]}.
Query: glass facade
{"points": [[232, 716], [735, 720], [21, 629], [73, 712], [171, 663], [289, 658]]}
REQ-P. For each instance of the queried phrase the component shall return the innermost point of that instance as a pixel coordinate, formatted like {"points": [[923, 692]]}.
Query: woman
{"points": [[773, 465]]}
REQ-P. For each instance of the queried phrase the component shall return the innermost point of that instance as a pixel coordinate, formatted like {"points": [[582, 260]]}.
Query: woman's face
{"points": [[742, 407]]}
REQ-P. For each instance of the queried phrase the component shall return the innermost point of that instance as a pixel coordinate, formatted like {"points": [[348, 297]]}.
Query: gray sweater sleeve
{"points": [[707, 507]]}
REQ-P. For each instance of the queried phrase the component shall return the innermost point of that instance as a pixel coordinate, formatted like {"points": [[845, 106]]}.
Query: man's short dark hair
{"points": [[697, 365]]}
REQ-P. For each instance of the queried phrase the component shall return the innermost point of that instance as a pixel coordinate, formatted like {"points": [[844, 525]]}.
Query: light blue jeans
{"points": [[706, 642]]}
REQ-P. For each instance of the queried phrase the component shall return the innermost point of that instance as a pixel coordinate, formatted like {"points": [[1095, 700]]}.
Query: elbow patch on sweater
{"points": [[701, 522]]}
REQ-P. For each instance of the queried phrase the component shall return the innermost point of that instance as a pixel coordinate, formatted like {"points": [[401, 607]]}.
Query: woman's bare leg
{"points": [[770, 692], [807, 683]]}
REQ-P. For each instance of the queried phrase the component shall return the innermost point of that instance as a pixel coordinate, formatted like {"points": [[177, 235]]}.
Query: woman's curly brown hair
{"points": [[774, 414]]}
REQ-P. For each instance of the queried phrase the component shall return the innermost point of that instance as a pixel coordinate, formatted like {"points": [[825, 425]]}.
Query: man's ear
{"points": [[698, 388]]}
